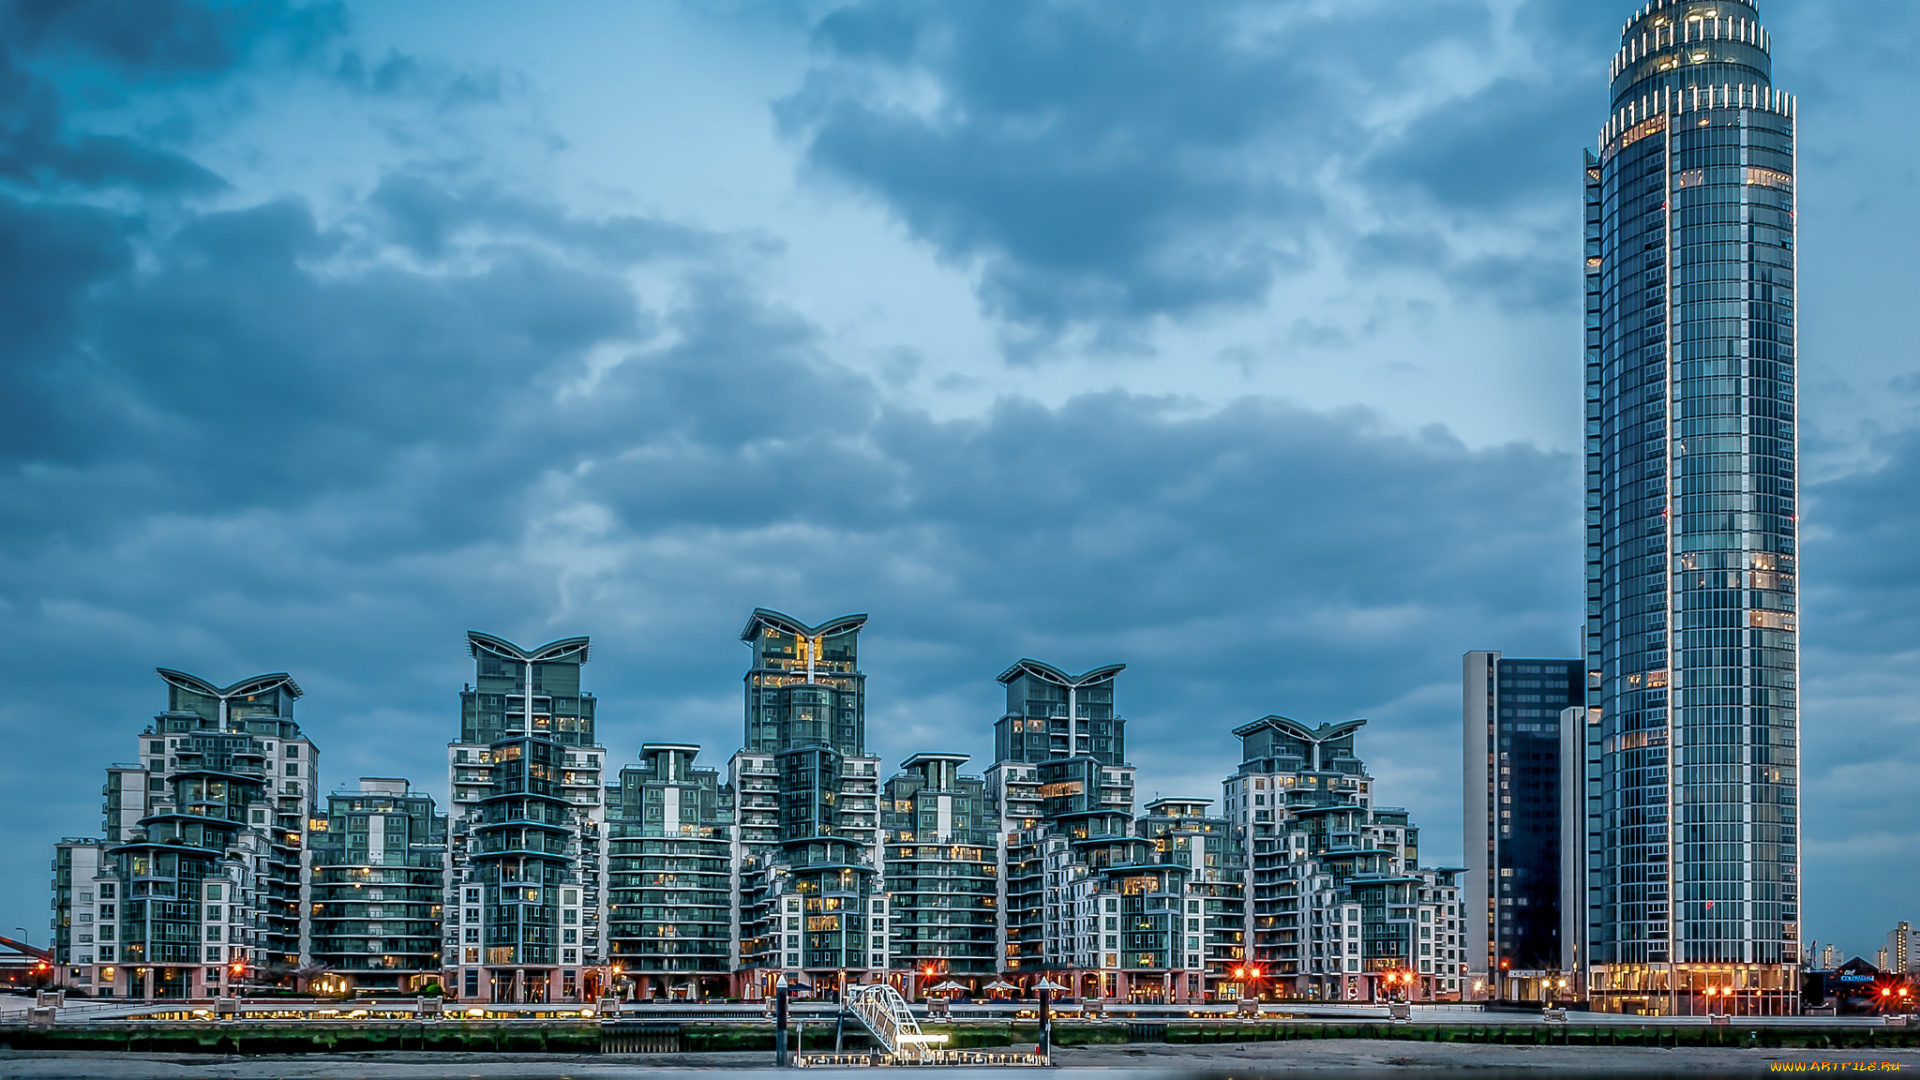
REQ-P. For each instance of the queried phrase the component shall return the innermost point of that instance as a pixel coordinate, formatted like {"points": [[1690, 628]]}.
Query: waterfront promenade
{"points": [[285, 1040], [1348, 1057]]}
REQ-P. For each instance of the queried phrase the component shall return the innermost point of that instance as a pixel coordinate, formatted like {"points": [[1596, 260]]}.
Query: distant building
{"points": [[1524, 832], [1903, 950]]}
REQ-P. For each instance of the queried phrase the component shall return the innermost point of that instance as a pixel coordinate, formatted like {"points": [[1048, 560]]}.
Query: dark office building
{"points": [[1524, 845], [1692, 545]]}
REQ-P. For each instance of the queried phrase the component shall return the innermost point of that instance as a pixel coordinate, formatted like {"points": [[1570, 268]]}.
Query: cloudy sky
{"points": [[1234, 341]]}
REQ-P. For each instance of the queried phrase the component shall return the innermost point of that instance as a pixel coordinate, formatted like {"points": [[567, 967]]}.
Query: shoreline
{"points": [[1239, 1060]]}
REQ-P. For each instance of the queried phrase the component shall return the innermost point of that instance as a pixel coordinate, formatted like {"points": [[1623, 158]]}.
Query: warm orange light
{"points": [[1255, 972]]}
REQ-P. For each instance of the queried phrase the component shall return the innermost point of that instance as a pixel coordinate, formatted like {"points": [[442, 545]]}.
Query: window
{"points": [[293, 768], [293, 750]]}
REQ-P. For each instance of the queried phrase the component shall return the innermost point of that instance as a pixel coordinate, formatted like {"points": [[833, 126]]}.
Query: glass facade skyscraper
{"points": [[1691, 518]]}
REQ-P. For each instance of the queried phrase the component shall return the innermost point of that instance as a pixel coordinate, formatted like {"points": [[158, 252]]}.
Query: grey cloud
{"points": [[51, 258], [165, 40], [1110, 164], [37, 150], [1860, 622], [431, 219]]}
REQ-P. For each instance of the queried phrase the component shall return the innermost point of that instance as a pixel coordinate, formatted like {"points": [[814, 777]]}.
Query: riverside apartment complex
{"points": [[554, 875]]}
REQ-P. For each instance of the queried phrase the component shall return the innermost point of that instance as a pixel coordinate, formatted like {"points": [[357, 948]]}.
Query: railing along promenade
{"points": [[275, 1025]]}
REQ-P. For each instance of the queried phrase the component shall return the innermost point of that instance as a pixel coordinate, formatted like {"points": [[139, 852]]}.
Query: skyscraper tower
{"points": [[1692, 550]]}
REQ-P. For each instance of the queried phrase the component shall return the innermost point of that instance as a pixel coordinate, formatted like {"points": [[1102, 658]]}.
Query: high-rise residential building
{"points": [[1692, 544], [197, 886], [527, 844], [1338, 905], [1053, 714], [216, 873], [1139, 908], [1903, 949], [377, 888], [670, 907], [942, 873], [1524, 722], [813, 898]]}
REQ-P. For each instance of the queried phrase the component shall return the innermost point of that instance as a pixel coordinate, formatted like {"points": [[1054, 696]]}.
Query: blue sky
{"points": [[1237, 342]]}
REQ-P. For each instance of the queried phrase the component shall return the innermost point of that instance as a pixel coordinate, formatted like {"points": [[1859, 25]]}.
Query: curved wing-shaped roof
{"points": [[1299, 730], [257, 684], [780, 620], [1049, 673], [478, 643]]}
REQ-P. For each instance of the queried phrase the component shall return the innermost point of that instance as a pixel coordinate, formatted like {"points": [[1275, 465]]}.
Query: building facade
{"points": [[813, 900], [217, 872], [377, 888], [1903, 950], [198, 885], [672, 879], [1691, 517], [1338, 906], [527, 846], [1524, 893], [942, 873]]}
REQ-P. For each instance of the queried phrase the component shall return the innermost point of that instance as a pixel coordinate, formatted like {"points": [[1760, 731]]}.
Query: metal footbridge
{"points": [[884, 1013]]}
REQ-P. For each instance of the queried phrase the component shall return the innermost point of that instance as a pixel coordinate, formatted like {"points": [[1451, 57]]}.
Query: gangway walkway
{"points": [[884, 1013]]}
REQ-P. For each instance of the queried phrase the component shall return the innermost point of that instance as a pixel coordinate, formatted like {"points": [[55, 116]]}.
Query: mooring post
{"points": [[780, 1022], [1045, 1049]]}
